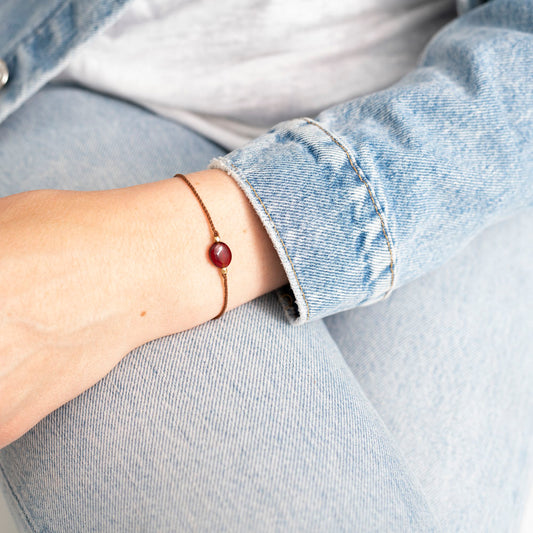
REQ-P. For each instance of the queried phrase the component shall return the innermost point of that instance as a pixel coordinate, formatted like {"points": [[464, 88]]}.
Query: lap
{"points": [[447, 362], [356, 421], [243, 423], [67, 137]]}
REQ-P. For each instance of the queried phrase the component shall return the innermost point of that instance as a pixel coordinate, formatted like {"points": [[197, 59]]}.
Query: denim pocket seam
{"points": [[369, 190], [277, 231]]}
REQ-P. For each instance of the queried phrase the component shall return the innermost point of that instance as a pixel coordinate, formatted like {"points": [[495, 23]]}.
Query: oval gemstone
{"points": [[220, 254]]}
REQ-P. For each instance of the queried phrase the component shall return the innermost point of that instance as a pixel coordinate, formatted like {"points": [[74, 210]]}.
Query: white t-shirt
{"points": [[232, 69]]}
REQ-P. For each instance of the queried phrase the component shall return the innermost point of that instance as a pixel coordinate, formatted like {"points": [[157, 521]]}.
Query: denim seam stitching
{"points": [[367, 185], [275, 227], [17, 500]]}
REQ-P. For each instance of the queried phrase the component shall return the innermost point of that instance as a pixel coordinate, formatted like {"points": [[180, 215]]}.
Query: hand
{"points": [[85, 277], [68, 263]]}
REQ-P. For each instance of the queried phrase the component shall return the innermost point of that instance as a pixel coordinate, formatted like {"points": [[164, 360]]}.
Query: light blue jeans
{"points": [[413, 414]]}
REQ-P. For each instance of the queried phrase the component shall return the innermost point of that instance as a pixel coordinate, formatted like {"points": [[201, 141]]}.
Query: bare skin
{"points": [[88, 276]]}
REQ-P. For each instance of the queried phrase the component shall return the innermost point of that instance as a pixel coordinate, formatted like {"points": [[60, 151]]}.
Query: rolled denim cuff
{"points": [[337, 253]]}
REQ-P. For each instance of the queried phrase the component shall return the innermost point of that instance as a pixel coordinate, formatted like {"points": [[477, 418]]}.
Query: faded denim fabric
{"points": [[411, 415], [374, 192], [38, 36]]}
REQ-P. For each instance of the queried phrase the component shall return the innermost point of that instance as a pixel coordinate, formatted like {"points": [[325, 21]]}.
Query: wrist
{"points": [[179, 286]]}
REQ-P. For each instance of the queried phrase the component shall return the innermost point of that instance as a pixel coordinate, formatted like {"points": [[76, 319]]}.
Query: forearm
{"points": [[180, 287], [89, 276]]}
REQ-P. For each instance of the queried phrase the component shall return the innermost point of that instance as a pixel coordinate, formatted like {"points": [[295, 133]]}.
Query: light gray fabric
{"points": [[231, 70]]}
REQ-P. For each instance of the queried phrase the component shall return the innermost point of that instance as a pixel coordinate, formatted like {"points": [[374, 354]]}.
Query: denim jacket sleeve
{"points": [[374, 192], [38, 36]]}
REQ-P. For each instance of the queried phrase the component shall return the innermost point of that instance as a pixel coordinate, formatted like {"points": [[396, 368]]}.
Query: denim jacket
{"points": [[373, 192]]}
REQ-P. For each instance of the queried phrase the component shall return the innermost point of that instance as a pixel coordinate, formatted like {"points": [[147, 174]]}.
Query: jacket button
{"points": [[4, 73]]}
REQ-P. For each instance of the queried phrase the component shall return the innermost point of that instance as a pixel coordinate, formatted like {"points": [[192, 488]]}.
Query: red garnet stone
{"points": [[220, 254]]}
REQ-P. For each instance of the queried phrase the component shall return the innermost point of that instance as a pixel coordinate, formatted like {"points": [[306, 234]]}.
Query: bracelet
{"points": [[219, 252]]}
